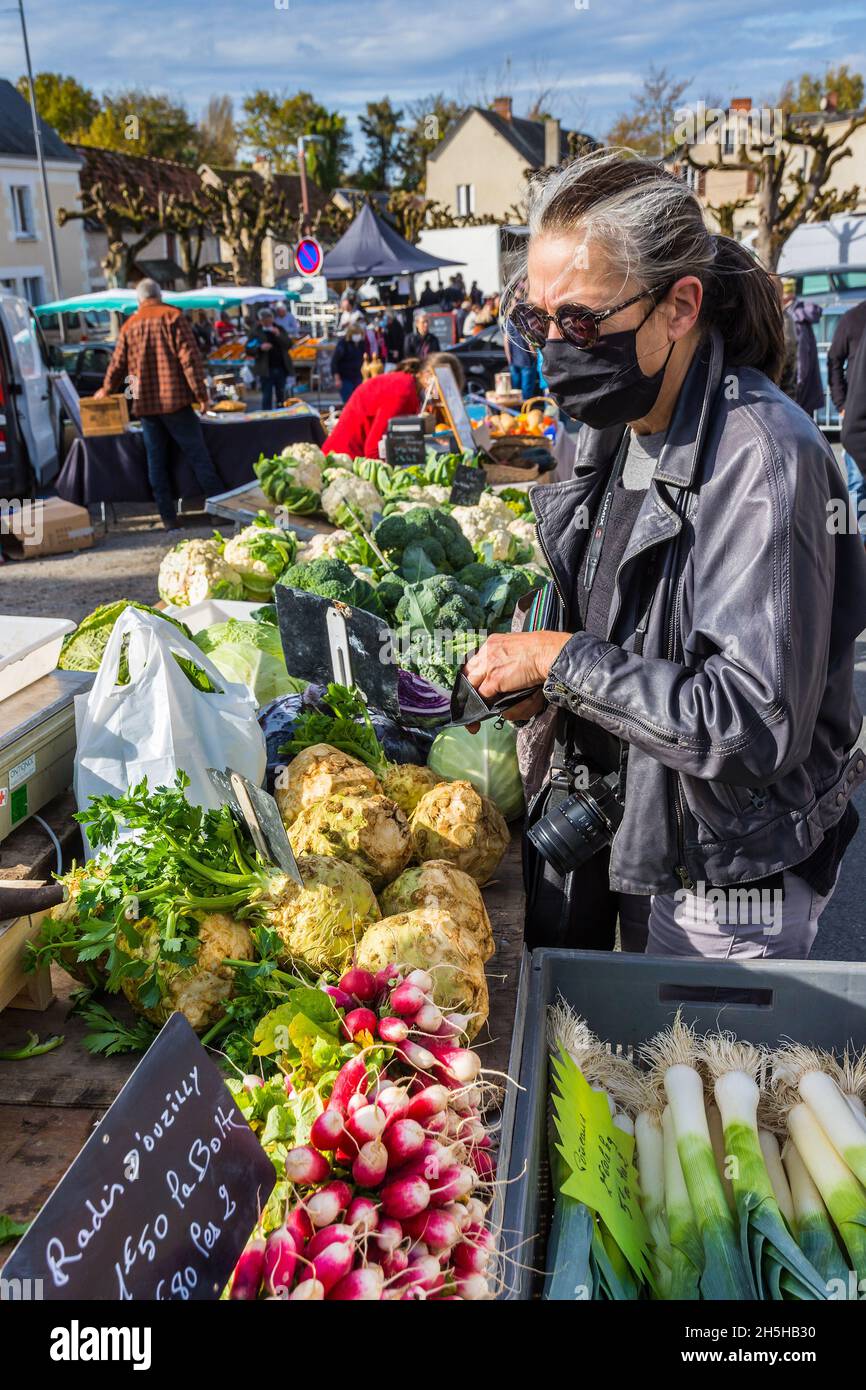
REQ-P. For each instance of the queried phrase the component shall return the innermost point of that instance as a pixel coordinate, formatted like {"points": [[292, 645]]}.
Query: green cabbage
{"points": [[250, 653], [83, 649], [487, 759]]}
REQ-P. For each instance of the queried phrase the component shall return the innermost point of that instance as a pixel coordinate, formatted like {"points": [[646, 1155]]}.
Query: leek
{"points": [[717, 1139], [649, 1151], [815, 1232], [687, 1256], [805, 1068], [843, 1196]]}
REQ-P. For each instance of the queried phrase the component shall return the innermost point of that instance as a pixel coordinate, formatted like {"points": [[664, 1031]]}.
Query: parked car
{"points": [[481, 357], [89, 325], [839, 281], [30, 408], [85, 364]]}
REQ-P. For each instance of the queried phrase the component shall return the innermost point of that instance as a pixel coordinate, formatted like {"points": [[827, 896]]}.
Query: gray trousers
{"points": [[724, 924]]}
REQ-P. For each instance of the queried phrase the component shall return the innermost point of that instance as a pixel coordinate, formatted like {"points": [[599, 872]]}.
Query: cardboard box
{"points": [[108, 415], [50, 527]]}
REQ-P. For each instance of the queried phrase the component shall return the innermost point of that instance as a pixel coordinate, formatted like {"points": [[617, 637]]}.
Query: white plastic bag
{"points": [[159, 723]]}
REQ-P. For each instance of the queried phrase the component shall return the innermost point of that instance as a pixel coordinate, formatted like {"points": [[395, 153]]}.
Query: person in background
{"points": [[203, 333], [223, 327], [854, 418], [286, 320], [269, 347], [522, 363], [158, 362], [809, 392], [379, 399], [849, 331], [422, 342], [475, 295], [395, 340], [348, 357], [428, 296]]}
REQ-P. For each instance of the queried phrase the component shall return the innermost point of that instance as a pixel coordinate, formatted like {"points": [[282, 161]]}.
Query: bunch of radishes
{"points": [[385, 1197]]}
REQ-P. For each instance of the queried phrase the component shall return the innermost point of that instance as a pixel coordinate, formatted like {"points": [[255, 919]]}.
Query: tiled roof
{"points": [[16, 129]]}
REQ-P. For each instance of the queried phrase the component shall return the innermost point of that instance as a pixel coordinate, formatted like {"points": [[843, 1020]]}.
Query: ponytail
{"points": [[741, 301]]}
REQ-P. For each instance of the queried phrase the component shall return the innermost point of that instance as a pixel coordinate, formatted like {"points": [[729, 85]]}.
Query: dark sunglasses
{"points": [[577, 324]]}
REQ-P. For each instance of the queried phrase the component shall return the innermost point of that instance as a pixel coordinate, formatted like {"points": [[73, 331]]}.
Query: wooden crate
{"points": [[18, 989], [108, 415]]}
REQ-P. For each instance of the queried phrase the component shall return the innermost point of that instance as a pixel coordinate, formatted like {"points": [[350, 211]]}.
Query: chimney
{"points": [[741, 104], [552, 154], [830, 102], [502, 107]]}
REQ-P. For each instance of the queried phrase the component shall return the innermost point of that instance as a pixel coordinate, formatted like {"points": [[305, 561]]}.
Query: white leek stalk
{"points": [[815, 1233], [687, 1254], [812, 1072], [776, 1173], [717, 1139], [649, 1148], [843, 1196]]}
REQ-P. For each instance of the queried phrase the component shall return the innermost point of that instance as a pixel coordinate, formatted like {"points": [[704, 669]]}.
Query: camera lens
{"points": [[578, 828]]}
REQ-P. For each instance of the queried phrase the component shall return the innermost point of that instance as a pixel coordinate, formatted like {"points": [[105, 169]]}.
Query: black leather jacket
{"points": [[739, 712]]}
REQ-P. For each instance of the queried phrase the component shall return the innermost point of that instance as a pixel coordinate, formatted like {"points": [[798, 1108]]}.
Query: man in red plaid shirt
{"points": [[158, 364]]}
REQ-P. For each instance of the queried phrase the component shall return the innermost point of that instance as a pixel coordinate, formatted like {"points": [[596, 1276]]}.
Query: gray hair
{"points": [[147, 289]]}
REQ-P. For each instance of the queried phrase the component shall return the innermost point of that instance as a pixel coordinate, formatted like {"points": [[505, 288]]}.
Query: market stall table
{"points": [[49, 1104], [113, 468]]}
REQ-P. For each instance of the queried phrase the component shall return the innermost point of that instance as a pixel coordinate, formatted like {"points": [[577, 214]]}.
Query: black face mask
{"points": [[602, 385]]}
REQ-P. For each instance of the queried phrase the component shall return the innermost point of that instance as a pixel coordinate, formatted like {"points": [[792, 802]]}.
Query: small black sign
{"points": [[164, 1195], [308, 635], [468, 485]]}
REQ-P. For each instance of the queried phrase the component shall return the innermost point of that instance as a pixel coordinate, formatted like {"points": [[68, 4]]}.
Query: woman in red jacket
{"points": [[364, 418]]}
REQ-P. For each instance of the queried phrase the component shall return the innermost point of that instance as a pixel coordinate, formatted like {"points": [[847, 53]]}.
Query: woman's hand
{"points": [[515, 661]]}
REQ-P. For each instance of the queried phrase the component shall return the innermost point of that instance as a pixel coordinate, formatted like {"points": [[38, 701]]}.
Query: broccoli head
{"points": [[442, 603], [389, 592], [497, 587], [332, 579], [423, 542]]}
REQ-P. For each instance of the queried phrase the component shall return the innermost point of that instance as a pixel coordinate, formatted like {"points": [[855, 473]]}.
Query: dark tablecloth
{"points": [[113, 468]]}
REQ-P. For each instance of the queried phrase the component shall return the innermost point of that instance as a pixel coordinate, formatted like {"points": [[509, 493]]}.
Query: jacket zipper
{"points": [[544, 551], [681, 871]]}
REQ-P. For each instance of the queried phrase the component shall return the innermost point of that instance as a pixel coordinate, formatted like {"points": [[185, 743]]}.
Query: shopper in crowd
{"points": [[697, 650], [203, 333], [475, 295], [348, 357], [422, 342], [854, 419], [269, 347], [224, 328], [803, 314], [158, 365], [522, 363], [365, 419], [846, 339], [395, 340], [286, 320], [428, 296]]}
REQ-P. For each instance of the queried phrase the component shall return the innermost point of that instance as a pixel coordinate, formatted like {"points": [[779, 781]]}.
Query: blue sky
{"points": [[593, 53]]}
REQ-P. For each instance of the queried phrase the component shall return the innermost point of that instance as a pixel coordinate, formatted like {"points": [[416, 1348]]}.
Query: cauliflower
{"points": [[430, 939], [305, 453], [322, 546], [526, 533], [406, 783], [346, 491], [318, 772], [454, 822], [321, 923], [369, 832], [260, 554], [438, 884], [195, 570], [200, 990], [344, 461]]}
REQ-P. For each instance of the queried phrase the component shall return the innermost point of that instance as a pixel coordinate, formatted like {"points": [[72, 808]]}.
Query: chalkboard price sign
{"points": [[164, 1195], [467, 486]]}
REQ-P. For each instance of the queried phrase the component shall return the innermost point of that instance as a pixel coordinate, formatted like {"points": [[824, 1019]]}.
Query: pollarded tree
{"points": [[122, 211]]}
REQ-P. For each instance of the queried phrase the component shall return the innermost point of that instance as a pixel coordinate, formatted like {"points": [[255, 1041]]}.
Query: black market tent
{"points": [[371, 247]]}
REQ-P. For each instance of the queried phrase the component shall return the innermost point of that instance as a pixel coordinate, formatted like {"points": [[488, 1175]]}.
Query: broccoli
{"points": [[442, 603], [332, 579], [497, 587], [389, 591], [423, 542]]}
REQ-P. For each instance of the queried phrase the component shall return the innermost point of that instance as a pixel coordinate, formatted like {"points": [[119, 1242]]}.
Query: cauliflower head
{"points": [[369, 832], [195, 570], [430, 939], [406, 783], [345, 491], [320, 924], [322, 547], [526, 533], [454, 822], [316, 773], [199, 991], [305, 453], [438, 884], [260, 554]]}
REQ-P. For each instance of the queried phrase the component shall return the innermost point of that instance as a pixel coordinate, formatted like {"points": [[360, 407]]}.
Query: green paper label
{"points": [[18, 804]]}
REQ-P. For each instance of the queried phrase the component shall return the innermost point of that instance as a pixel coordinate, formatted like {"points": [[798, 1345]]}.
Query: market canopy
{"points": [[81, 303], [371, 247], [207, 297]]}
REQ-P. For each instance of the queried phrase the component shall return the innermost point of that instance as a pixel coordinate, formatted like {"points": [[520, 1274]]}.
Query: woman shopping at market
{"points": [[365, 418], [694, 724], [348, 357]]}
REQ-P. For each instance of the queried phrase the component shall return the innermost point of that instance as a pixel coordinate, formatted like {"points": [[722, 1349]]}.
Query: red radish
{"points": [[339, 996], [281, 1258], [351, 1078], [454, 1025], [331, 1264], [453, 1183], [298, 1222], [371, 1165], [310, 1290], [436, 1228], [249, 1269], [460, 1064], [366, 1123], [428, 1018], [483, 1162], [416, 1056], [327, 1130], [359, 983], [305, 1165], [357, 1102], [394, 1100], [361, 1286], [403, 1140], [423, 1274], [407, 999], [477, 1211], [438, 1124], [471, 1131], [470, 1258], [251, 1082], [386, 978], [389, 1234], [421, 979], [329, 1235], [360, 1021], [460, 1212], [325, 1205], [363, 1214], [394, 1263], [393, 1030], [472, 1287], [404, 1197]]}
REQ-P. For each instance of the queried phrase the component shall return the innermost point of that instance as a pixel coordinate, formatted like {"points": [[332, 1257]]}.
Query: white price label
{"points": [[21, 771]]}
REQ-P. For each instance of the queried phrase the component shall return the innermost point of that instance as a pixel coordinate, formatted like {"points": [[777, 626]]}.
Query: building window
{"points": [[730, 144], [34, 289], [22, 211], [465, 199]]}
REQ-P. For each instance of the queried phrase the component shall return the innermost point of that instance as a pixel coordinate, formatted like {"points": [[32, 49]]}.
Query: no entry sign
{"points": [[308, 256]]}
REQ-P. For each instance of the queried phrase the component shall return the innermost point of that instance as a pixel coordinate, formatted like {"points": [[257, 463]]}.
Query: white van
{"points": [[30, 407]]}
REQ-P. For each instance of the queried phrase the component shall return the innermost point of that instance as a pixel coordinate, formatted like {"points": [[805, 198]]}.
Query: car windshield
{"points": [[851, 279]]}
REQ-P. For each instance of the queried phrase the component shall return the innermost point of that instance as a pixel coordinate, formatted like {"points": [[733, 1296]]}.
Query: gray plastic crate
{"points": [[626, 999]]}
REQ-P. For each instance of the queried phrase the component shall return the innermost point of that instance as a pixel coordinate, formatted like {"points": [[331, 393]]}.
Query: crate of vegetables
{"points": [[701, 1062]]}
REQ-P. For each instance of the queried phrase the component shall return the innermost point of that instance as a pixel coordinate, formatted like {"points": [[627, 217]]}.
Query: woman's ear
{"points": [[683, 306]]}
